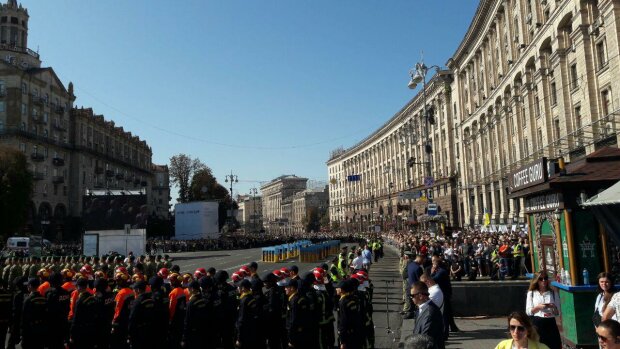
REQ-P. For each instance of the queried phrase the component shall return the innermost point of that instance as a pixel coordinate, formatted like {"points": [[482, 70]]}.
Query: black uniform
{"points": [[326, 321], [177, 320], [105, 309], [58, 302], [350, 322], [84, 324], [16, 321], [227, 316], [5, 314], [275, 316], [247, 322], [161, 317], [298, 317], [34, 321], [196, 322], [141, 324], [366, 310]]}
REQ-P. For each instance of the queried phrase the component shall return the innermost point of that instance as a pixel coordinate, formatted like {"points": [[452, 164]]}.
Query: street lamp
{"points": [[418, 75], [253, 192], [233, 179]]}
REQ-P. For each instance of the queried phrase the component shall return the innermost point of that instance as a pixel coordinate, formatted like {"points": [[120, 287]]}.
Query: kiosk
{"points": [[565, 236]]}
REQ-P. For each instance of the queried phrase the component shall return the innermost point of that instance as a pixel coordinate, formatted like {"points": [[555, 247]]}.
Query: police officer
{"points": [[58, 308], [209, 293], [326, 309], [247, 318], [19, 285], [34, 318], [196, 320], [274, 309], [161, 304], [342, 263], [84, 324], [141, 325], [349, 320], [298, 316]]}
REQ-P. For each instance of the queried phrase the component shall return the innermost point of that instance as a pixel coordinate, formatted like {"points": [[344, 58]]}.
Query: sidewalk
{"points": [[476, 333]]}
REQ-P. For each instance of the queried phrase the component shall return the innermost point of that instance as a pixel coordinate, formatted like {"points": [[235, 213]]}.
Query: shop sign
{"points": [[529, 175], [545, 202]]}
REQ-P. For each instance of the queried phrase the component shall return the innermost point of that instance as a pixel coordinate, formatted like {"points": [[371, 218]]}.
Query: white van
{"points": [[25, 243]]}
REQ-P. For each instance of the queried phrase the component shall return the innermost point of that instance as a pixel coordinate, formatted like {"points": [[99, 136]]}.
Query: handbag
{"points": [[596, 318]]}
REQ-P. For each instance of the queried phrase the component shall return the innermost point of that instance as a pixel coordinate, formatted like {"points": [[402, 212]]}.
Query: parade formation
{"points": [[148, 302]]}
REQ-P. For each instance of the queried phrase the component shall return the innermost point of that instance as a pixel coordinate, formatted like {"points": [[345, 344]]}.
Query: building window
{"points": [[24, 88], [605, 102], [22, 147], [556, 126], [540, 138], [24, 109], [23, 126], [2, 106], [537, 106], [601, 54], [554, 94], [45, 117], [574, 78]]}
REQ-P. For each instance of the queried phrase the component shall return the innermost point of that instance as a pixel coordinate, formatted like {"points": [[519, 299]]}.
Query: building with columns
{"points": [[277, 201], [530, 79]]}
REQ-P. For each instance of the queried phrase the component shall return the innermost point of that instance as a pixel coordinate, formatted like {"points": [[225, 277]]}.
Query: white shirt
{"points": [[358, 263], [534, 298], [436, 296], [614, 303]]}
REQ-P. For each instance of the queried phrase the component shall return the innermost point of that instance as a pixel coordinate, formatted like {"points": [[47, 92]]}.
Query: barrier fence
{"points": [[318, 252], [275, 254]]}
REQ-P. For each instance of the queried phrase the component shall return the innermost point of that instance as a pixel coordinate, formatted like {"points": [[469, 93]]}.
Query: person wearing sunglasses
{"points": [[608, 333], [543, 305], [522, 333]]}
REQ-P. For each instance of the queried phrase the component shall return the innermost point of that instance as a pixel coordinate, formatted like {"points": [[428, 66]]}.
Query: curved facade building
{"points": [[530, 79]]}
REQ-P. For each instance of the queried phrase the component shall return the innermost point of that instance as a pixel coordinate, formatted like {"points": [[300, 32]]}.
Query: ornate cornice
{"points": [[473, 32]]}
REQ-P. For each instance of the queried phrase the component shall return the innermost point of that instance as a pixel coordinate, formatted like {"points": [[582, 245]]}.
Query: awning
{"points": [[610, 196], [606, 207]]}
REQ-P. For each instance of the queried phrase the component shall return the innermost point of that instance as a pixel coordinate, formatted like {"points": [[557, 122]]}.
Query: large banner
{"points": [[113, 212]]}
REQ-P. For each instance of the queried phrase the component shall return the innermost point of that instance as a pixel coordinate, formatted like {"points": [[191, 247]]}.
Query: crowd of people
{"points": [[470, 253], [148, 302]]}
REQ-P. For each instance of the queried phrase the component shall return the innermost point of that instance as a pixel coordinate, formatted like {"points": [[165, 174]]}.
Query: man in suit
{"points": [[429, 320], [414, 271]]}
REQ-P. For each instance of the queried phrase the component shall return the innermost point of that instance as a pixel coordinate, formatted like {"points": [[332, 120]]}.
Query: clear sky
{"points": [[259, 87]]}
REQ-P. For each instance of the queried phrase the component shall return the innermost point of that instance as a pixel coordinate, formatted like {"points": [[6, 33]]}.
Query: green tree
{"points": [[204, 186], [182, 168], [15, 190]]}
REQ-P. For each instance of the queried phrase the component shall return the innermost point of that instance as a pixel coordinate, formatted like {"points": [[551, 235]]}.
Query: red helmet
{"points": [[86, 269], [100, 275], [246, 269], [357, 277], [319, 274], [77, 276], [279, 274], [163, 273], [121, 270], [242, 273], [236, 277], [363, 275], [44, 273], [200, 272], [285, 271]]}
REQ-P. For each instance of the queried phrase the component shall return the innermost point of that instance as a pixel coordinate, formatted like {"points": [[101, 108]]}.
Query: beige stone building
{"points": [[277, 201], [530, 79], [160, 191], [308, 207], [250, 212], [72, 152]]}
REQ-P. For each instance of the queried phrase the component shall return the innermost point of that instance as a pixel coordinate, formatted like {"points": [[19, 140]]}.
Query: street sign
{"points": [[409, 195], [432, 209], [429, 181]]}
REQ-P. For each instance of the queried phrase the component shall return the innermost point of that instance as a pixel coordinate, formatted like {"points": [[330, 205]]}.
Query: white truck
{"points": [[101, 242], [196, 220]]}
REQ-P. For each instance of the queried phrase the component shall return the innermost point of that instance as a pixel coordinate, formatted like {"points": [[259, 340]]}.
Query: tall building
{"points": [[161, 192], [277, 201], [250, 211], [308, 207], [530, 79], [74, 154]]}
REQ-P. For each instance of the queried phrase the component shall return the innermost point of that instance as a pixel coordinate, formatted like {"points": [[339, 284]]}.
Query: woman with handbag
{"points": [[542, 305], [606, 291]]}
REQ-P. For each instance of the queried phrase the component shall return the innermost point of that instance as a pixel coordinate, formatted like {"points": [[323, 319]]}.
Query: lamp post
{"points": [[233, 179], [253, 192], [418, 74]]}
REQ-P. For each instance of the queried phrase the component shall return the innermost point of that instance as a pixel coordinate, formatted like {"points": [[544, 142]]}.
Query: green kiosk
{"points": [[566, 237]]}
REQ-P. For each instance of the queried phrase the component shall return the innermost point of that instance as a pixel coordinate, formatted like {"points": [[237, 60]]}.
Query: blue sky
{"points": [[262, 87]]}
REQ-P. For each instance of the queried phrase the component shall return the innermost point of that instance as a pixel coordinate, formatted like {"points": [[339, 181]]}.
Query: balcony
{"points": [[58, 161], [58, 179], [38, 176], [109, 173], [98, 170], [37, 157], [59, 109]]}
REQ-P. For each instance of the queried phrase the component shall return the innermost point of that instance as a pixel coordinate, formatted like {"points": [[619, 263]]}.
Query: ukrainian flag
{"points": [[487, 218]]}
